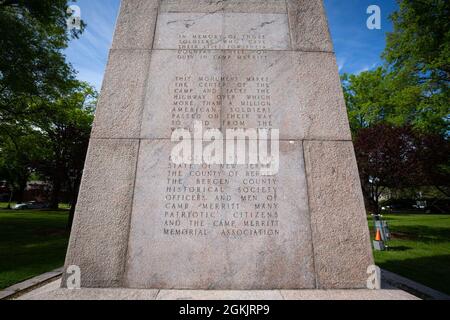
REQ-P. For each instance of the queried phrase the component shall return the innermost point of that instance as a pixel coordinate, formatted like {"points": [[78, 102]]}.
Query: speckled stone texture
{"points": [[51, 291], [136, 24], [309, 26], [306, 95], [230, 64], [340, 235], [208, 6], [172, 26], [119, 109], [99, 236], [217, 262]]}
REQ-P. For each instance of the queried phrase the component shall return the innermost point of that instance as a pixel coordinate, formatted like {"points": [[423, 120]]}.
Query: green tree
{"points": [[420, 43], [45, 113], [399, 113], [378, 96], [367, 96], [32, 36], [418, 52], [400, 157], [66, 126], [20, 150], [413, 86]]}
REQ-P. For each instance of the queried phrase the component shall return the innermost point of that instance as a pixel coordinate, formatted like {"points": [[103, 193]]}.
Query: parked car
{"points": [[31, 205]]}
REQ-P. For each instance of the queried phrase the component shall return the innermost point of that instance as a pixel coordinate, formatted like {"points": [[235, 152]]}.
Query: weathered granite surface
{"points": [[238, 6], [142, 222], [98, 241], [119, 109], [136, 24], [218, 30], [340, 236], [295, 84], [222, 252], [52, 292], [309, 26]]}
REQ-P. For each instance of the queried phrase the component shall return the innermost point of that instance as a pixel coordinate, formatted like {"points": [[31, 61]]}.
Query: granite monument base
{"points": [[143, 221], [52, 291]]}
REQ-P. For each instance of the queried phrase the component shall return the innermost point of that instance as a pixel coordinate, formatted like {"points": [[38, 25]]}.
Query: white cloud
{"points": [[89, 54]]}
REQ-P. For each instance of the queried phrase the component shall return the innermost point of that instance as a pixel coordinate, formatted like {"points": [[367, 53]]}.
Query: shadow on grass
{"points": [[424, 233], [419, 233], [433, 272], [398, 248], [31, 243]]}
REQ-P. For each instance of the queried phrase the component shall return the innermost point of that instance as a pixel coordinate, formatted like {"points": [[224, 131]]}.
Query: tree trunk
{"points": [[443, 191], [56, 188], [370, 204], [11, 192], [21, 191], [377, 204]]}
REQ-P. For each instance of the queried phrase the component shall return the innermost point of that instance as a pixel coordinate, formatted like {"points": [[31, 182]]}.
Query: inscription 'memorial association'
{"points": [[221, 155]]}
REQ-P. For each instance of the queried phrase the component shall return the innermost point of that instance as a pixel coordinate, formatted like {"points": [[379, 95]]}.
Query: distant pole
{"points": [[10, 199]]}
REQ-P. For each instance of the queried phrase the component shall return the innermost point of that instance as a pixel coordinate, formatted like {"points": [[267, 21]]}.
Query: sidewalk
{"points": [[47, 286]]}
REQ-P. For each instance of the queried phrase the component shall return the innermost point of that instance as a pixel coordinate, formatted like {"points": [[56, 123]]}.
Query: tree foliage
{"points": [[399, 113], [413, 87], [400, 157], [65, 126], [420, 43], [32, 36], [20, 150], [45, 113]]}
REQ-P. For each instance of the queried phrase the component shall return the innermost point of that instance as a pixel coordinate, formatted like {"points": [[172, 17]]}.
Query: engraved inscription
{"points": [[218, 30], [230, 101], [225, 200], [220, 225], [225, 89]]}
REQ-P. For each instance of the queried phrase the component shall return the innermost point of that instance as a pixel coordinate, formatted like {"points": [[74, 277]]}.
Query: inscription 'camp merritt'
{"points": [[217, 78], [223, 65], [199, 199], [197, 209]]}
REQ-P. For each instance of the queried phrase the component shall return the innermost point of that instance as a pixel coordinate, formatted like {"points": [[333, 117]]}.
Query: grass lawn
{"points": [[4, 205], [34, 242], [419, 249], [31, 243]]}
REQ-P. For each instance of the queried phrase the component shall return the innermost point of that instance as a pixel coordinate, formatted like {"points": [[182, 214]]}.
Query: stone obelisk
{"points": [[145, 222]]}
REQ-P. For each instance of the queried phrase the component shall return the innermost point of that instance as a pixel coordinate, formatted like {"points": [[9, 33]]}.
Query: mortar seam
{"points": [[306, 165], [136, 164]]}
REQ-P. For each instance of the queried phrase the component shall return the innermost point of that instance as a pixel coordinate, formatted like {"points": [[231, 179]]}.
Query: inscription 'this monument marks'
{"points": [[145, 221]]}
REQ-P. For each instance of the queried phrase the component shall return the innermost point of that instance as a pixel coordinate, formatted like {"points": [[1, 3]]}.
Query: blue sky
{"points": [[357, 48]]}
